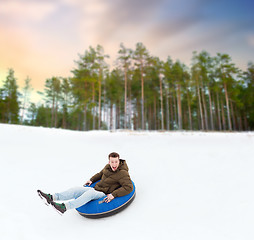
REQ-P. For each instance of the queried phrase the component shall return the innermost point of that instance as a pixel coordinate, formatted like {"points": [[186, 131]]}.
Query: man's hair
{"points": [[113, 155]]}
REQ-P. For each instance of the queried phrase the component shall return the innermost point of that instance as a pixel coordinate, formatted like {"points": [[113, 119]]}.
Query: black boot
{"points": [[47, 198], [60, 207]]}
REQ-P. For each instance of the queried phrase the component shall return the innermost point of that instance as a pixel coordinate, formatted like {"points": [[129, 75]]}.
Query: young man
{"points": [[114, 182]]}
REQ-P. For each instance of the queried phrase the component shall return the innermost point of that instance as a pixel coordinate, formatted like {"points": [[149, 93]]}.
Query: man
{"points": [[114, 182]]}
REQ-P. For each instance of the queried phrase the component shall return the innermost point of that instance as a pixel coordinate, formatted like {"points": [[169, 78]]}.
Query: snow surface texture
{"points": [[190, 185]]}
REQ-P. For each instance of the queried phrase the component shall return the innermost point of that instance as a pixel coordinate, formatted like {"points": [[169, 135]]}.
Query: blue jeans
{"points": [[81, 196]]}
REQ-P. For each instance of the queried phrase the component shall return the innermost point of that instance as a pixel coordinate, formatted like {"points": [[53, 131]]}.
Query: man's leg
{"points": [[82, 194], [70, 193], [87, 196]]}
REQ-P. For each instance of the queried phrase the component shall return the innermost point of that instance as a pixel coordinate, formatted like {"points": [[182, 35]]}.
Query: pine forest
{"points": [[141, 92]]}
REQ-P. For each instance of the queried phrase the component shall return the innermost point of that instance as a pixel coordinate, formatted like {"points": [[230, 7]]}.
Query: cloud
{"points": [[250, 40], [102, 20], [26, 10], [131, 15], [161, 31], [148, 21]]}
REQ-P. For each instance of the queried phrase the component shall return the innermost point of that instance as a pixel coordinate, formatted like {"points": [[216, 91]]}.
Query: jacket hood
{"points": [[122, 166]]}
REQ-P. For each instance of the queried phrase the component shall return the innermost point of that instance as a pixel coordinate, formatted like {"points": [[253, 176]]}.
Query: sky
{"points": [[41, 39]]}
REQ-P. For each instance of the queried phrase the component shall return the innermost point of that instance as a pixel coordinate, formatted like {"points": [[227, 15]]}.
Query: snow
{"points": [[190, 185]]}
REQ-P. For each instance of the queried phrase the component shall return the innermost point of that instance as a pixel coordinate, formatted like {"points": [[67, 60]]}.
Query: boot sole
{"points": [[43, 199], [57, 210]]}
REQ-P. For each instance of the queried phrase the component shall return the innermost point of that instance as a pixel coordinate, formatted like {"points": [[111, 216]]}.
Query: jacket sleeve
{"points": [[126, 186], [97, 176]]}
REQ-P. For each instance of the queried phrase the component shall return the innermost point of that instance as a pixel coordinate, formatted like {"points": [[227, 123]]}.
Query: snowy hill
{"points": [[190, 185]]}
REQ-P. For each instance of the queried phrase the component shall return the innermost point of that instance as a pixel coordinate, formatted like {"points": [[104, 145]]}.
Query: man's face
{"points": [[114, 163]]}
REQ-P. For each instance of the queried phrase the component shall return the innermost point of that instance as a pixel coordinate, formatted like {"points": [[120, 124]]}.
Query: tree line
{"points": [[141, 92]]}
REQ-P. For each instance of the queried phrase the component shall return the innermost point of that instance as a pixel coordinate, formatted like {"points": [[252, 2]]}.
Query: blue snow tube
{"points": [[98, 208]]}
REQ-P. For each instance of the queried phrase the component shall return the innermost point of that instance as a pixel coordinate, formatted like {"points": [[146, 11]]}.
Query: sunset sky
{"points": [[41, 39]]}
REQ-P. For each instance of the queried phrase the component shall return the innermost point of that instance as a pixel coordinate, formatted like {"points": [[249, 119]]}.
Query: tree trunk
{"points": [[245, 122], [93, 101], [150, 117], [111, 116], [135, 121], [23, 108], [84, 122], [138, 123], [185, 117], [52, 111], [200, 107], [105, 107], [179, 107], [233, 116], [171, 111], [240, 121], [129, 107], [227, 104], [175, 110], [125, 98], [142, 98], [214, 112], [223, 116], [162, 114], [155, 110], [204, 106], [189, 110], [211, 109], [199, 118], [99, 118], [218, 111], [56, 109], [119, 114], [167, 106], [64, 117]]}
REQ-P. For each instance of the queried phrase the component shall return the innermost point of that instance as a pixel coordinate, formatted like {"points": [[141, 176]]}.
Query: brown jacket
{"points": [[118, 182]]}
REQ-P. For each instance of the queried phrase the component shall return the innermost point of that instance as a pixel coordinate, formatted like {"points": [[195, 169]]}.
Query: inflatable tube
{"points": [[98, 208]]}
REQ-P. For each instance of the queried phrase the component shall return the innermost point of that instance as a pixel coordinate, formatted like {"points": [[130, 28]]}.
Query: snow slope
{"points": [[190, 185]]}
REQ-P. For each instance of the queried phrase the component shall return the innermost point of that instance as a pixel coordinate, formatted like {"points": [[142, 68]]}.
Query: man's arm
{"points": [[126, 186], [94, 178], [97, 176]]}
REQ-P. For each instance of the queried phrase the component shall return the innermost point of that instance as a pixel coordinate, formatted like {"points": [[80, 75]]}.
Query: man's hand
{"points": [[88, 183], [109, 198]]}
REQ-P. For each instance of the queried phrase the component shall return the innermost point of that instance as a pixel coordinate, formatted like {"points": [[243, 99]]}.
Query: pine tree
{"points": [[10, 99], [53, 94], [177, 72], [100, 56], [32, 112], [65, 100], [85, 86], [169, 86], [114, 89], [2, 106], [141, 55], [226, 71], [248, 96], [26, 94], [125, 56]]}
